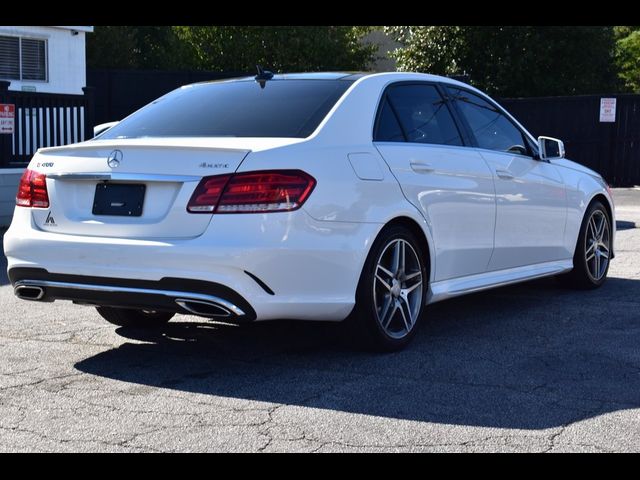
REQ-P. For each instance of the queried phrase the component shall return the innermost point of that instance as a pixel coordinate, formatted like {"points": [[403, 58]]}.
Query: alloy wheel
{"points": [[398, 288], [597, 245]]}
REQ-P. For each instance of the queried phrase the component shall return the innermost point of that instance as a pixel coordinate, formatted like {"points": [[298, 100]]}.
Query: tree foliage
{"points": [[628, 56], [513, 60], [506, 61], [285, 48], [136, 47], [230, 48]]}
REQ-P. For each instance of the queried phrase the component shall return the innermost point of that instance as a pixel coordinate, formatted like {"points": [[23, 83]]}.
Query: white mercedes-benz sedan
{"points": [[325, 196]]}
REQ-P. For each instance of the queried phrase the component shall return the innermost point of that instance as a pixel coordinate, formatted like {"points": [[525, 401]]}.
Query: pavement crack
{"points": [[42, 381]]}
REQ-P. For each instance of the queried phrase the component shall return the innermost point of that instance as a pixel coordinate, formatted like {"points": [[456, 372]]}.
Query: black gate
{"points": [[43, 120], [611, 149]]}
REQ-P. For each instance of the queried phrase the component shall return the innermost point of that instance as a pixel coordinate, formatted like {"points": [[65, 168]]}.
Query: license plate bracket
{"points": [[119, 199]]}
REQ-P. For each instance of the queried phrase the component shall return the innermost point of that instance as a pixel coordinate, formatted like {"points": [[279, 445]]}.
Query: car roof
{"points": [[349, 76], [308, 76]]}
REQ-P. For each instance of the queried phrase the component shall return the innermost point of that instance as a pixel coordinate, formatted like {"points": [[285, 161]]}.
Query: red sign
{"points": [[7, 117]]}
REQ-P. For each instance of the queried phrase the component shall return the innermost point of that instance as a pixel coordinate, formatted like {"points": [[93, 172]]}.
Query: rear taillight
{"points": [[207, 194], [32, 191], [252, 192]]}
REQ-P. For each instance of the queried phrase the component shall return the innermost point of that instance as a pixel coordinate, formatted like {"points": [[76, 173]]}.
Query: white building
{"points": [[42, 59], [383, 61]]}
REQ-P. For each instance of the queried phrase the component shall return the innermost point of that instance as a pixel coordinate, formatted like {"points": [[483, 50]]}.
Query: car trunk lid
{"points": [[145, 184]]}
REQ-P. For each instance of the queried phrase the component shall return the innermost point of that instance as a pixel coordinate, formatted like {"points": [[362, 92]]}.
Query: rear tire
{"points": [[592, 255], [129, 317], [391, 292]]}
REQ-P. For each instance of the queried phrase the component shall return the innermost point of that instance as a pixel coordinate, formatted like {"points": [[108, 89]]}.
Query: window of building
{"points": [[23, 58]]}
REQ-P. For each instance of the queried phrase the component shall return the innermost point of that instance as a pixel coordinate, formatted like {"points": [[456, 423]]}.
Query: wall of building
{"points": [[66, 62], [385, 44]]}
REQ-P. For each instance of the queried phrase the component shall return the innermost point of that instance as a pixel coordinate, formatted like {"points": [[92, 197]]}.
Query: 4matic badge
{"points": [[213, 165], [50, 222]]}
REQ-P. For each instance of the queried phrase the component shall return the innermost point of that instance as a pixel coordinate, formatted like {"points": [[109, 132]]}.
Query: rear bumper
{"points": [[282, 265], [169, 294]]}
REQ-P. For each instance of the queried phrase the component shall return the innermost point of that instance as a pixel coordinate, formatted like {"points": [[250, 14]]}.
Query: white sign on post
{"points": [[7, 117], [607, 110]]}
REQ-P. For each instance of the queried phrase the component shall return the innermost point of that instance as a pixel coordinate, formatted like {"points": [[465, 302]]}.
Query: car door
{"points": [[451, 184], [530, 193]]}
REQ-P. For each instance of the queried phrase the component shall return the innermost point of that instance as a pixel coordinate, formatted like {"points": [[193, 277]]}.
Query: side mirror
{"points": [[103, 127], [550, 148]]}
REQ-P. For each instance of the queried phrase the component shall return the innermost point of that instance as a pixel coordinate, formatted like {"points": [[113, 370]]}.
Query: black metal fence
{"points": [[44, 120], [611, 149]]}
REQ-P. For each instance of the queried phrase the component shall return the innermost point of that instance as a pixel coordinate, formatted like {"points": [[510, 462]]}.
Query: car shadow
{"points": [[528, 356]]}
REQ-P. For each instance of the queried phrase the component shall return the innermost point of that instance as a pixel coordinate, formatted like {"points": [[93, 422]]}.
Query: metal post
{"points": [[5, 139], [89, 111]]}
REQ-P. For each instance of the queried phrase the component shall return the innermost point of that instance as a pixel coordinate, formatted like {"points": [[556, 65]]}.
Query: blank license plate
{"points": [[119, 199]]}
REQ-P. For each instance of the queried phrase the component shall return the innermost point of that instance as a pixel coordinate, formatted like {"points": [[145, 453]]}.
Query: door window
{"points": [[422, 114], [388, 127], [490, 127]]}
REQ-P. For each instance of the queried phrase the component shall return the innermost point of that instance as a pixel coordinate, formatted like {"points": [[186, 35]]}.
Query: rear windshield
{"points": [[283, 108]]}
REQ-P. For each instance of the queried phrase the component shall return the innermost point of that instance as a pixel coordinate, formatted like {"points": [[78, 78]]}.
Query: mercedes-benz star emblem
{"points": [[115, 158]]}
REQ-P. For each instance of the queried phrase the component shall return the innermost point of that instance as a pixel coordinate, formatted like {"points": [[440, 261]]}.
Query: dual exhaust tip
{"points": [[203, 308], [196, 307], [26, 292]]}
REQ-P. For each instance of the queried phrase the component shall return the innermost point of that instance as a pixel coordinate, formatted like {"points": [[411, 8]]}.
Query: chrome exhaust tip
{"points": [[27, 292], [204, 308]]}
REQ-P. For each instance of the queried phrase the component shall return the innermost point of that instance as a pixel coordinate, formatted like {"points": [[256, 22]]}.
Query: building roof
{"points": [[88, 29]]}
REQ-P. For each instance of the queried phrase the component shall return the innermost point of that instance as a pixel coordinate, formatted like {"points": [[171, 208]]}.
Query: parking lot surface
{"points": [[532, 367]]}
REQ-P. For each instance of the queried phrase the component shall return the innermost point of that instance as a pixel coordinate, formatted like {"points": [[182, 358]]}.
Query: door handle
{"points": [[421, 167], [505, 175]]}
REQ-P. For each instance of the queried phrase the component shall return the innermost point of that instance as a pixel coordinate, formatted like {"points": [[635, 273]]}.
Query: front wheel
{"points": [[391, 291], [593, 250], [129, 317]]}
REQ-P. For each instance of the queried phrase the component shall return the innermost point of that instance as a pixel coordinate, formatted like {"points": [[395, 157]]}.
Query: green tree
{"points": [[230, 48], [513, 60], [628, 56], [137, 47], [111, 47], [280, 48]]}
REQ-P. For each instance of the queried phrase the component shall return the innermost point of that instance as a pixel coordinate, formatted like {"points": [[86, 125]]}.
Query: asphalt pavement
{"points": [[528, 368]]}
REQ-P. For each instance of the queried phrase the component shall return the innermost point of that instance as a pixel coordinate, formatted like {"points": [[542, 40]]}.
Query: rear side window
{"points": [[423, 115], [283, 108], [388, 127], [490, 127]]}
